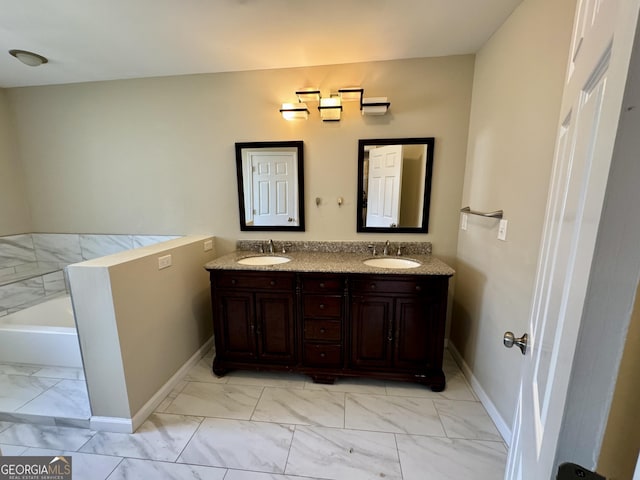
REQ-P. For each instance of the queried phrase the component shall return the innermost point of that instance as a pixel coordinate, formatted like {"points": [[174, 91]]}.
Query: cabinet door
{"points": [[275, 330], [371, 331], [413, 333], [237, 339]]}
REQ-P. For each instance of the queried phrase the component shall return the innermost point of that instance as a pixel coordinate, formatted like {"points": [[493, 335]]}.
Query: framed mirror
{"points": [[270, 185], [394, 184]]}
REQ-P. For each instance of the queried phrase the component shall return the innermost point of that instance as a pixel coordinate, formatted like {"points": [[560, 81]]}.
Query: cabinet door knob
{"points": [[272, 283], [418, 288], [321, 284], [233, 281], [322, 330], [322, 354], [373, 286], [322, 306]]}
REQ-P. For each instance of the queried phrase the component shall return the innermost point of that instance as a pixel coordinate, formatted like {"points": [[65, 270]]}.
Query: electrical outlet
{"points": [[502, 230], [463, 221], [164, 262], [208, 245]]}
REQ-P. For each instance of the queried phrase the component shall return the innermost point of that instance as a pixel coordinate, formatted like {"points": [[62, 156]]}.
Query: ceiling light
{"points": [[294, 111], [374, 106], [330, 109], [308, 94], [29, 58]]}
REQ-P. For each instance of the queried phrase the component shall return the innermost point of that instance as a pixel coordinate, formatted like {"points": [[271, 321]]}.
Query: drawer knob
{"points": [[373, 286], [322, 306], [322, 330], [272, 283], [233, 281], [418, 288], [322, 354], [321, 284]]}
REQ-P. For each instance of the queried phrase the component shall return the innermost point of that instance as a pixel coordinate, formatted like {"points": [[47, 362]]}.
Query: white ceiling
{"points": [[89, 40]]}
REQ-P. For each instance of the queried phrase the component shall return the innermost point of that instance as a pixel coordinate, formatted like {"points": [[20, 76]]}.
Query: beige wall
{"points": [[138, 325], [621, 444], [156, 156], [14, 210], [516, 98]]}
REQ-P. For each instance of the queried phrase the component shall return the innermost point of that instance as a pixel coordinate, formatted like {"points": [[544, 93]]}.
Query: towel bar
{"points": [[496, 214]]}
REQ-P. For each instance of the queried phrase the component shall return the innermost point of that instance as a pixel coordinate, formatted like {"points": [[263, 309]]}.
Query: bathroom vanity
{"points": [[328, 315]]}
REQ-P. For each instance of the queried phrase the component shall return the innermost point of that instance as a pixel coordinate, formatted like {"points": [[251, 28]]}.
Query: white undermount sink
{"points": [[391, 262], [263, 260]]}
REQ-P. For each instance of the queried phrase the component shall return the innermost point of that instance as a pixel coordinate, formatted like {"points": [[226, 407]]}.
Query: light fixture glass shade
{"points": [[294, 111], [374, 106], [330, 109], [308, 94], [28, 58], [350, 94]]}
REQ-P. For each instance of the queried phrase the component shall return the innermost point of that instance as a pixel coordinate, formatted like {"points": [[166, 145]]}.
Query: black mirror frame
{"points": [[298, 144], [430, 142]]}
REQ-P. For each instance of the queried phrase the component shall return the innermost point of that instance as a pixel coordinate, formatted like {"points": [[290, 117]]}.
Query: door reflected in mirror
{"points": [[270, 185], [394, 184]]}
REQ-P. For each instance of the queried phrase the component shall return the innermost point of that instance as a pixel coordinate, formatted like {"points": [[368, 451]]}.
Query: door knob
{"points": [[510, 340]]}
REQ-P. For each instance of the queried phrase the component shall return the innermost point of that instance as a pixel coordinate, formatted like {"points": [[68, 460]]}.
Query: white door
{"points": [[383, 189], [273, 188], [591, 103]]}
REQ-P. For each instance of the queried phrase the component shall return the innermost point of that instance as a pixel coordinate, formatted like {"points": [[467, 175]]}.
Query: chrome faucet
{"points": [[270, 246], [386, 248]]}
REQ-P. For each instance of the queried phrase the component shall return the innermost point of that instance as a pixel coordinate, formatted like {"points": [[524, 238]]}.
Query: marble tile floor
{"points": [[266, 426], [44, 395]]}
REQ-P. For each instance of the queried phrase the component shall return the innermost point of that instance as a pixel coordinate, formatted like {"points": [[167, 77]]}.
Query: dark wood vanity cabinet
{"points": [[322, 313], [331, 325], [254, 320], [397, 327]]}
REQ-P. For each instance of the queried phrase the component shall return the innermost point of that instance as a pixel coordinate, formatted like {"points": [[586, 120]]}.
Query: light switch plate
{"points": [[164, 262], [502, 230], [463, 221], [208, 245]]}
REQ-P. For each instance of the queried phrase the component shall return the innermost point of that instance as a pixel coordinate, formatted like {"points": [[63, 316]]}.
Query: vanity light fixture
{"points": [[374, 106], [348, 94], [294, 111], [308, 94], [330, 109], [28, 58]]}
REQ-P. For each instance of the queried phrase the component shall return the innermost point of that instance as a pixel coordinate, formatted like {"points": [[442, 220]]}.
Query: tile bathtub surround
{"points": [[94, 246], [355, 429], [57, 247], [16, 250], [31, 264], [25, 292]]}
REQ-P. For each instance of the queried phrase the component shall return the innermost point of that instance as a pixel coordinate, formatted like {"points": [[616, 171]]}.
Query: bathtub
{"points": [[44, 334]]}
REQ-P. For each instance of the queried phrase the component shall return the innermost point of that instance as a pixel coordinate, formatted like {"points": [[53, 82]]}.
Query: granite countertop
{"points": [[331, 262]]}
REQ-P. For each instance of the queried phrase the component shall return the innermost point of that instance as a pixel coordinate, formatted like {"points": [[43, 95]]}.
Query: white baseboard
{"points": [[130, 425], [111, 424], [502, 426]]}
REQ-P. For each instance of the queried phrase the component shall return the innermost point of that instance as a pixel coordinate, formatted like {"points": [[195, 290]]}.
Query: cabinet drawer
{"points": [[322, 284], [322, 306], [272, 281], [419, 285], [318, 354], [322, 330]]}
